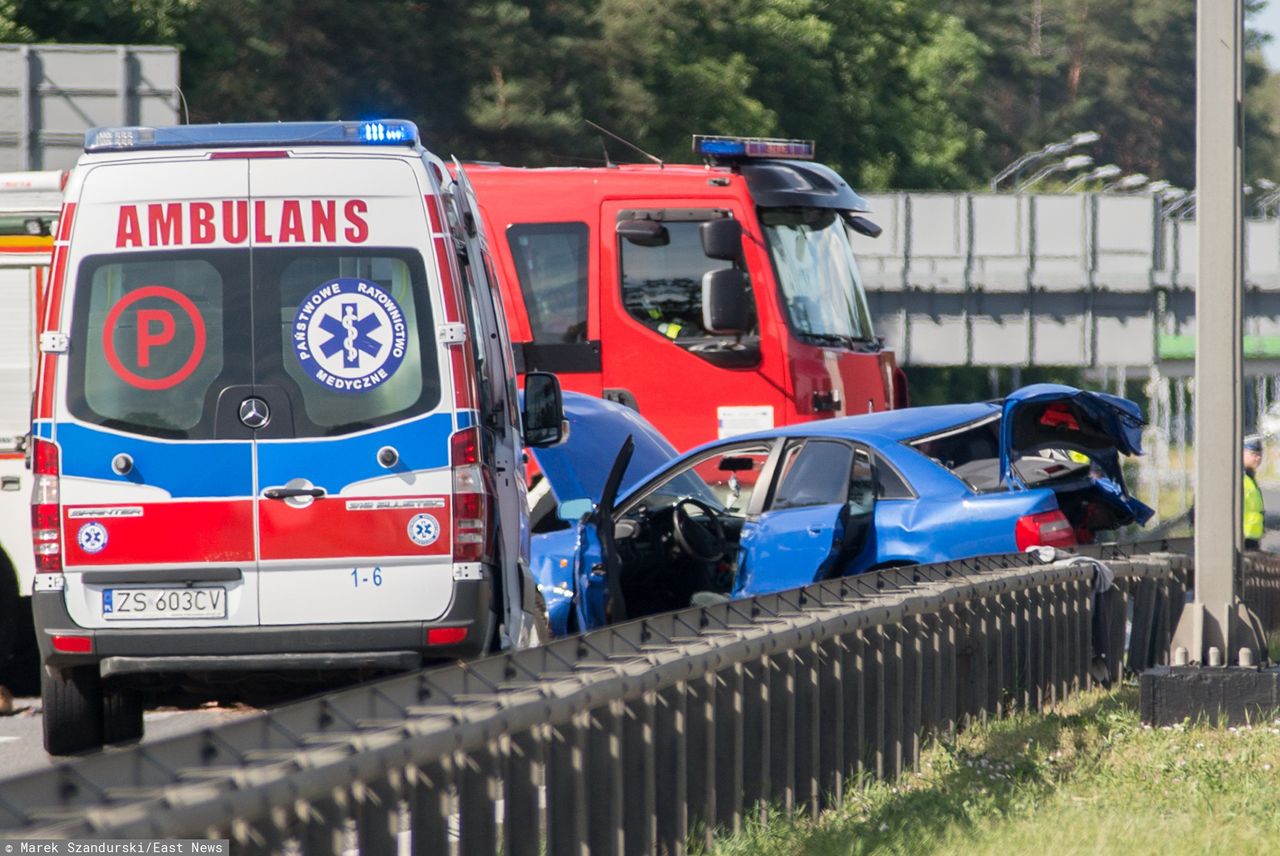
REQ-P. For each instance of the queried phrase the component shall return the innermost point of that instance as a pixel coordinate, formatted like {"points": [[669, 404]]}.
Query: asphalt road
{"points": [[22, 749]]}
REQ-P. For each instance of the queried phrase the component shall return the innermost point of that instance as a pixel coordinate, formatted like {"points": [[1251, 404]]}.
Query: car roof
{"points": [[883, 432], [889, 425]]}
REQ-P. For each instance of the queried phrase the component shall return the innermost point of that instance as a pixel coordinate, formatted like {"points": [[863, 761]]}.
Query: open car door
{"points": [[819, 521]]}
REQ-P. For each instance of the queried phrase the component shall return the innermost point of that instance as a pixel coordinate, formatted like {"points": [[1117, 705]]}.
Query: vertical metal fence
{"points": [[639, 738], [1164, 477], [1259, 584]]}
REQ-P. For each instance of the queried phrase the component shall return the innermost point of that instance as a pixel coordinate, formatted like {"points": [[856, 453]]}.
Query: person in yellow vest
{"points": [[1253, 511]]}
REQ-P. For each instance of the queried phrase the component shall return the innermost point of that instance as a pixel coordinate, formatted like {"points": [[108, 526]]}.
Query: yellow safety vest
{"points": [[1252, 509]]}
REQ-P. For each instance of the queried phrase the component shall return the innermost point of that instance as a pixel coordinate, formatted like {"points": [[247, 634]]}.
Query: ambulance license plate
{"points": [[207, 602]]}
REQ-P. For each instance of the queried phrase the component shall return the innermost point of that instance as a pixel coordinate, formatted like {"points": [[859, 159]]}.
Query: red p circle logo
{"points": [[156, 327]]}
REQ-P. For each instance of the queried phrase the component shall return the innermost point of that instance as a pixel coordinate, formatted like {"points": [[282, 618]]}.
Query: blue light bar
{"points": [[735, 148], [382, 132]]}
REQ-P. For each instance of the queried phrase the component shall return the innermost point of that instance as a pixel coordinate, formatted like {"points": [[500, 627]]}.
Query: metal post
{"points": [[1209, 622], [1182, 439]]}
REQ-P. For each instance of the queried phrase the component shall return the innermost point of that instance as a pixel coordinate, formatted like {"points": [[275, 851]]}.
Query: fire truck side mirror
{"points": [[721, 239], [726, 305], [644, 233]]}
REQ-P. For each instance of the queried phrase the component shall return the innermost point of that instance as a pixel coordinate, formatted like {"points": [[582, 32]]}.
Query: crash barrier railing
{"points": [[1260, 575], [629, 739]]}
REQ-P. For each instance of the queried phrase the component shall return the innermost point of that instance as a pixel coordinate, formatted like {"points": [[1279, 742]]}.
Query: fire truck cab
{"points": [[714, 299]]}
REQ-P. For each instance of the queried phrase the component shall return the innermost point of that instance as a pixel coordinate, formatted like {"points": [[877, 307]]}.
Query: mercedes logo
{"points": [[254, 413]]}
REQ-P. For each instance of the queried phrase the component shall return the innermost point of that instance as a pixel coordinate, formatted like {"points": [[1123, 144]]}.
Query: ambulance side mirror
{"points": [[721, 239], [543, 415], [863, 226], [726, 305]]}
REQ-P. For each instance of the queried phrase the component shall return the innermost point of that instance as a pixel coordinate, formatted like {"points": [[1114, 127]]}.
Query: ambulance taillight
{"points": [[46, 509], [471, 499]]}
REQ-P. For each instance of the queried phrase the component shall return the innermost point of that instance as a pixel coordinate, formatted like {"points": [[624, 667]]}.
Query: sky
{"points": [[1268, 21]]}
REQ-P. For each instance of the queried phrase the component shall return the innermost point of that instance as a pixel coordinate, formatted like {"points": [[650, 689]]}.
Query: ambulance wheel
{"points": [[72, 710], [121, 716], [10, 606]]}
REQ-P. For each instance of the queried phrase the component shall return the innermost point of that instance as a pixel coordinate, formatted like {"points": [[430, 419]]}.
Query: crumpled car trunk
{"points": [[1071, 440]]}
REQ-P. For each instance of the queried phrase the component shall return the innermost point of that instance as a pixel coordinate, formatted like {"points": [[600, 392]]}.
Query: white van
{"points": [[276, 422]]}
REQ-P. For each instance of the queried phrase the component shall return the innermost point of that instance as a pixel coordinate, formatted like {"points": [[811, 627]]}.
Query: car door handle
{"points": [[291, 492], [815, 529]]}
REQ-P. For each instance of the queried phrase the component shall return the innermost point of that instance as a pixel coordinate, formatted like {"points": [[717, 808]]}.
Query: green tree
{"points": [[100, 21], [1124, 69], [876, 84]]}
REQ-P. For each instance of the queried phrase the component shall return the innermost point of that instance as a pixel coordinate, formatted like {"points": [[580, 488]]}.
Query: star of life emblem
{"points": [[350, 335], [424, 529], [92, 537]]}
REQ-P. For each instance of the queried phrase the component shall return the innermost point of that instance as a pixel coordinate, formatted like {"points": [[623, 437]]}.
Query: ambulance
{"points": [[276, 430], [29, 206], [714, 299]]}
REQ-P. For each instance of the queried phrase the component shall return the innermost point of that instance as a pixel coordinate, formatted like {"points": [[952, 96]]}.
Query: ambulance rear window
{"points": [[354, 335], [148, 339], [345, 335]]}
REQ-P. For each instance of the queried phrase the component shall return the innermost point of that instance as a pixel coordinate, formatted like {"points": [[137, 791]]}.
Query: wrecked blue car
{"points": [[625, 527]]}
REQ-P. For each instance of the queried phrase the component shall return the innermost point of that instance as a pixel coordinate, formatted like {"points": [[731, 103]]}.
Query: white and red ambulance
{"points": [[276, 424]]}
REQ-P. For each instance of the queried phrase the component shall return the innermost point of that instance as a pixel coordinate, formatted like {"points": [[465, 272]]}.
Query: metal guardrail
{"points": [[629, 738], [1260, 582]]}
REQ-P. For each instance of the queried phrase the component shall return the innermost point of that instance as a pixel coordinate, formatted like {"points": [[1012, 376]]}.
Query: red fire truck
{"points": [[715, 299]]}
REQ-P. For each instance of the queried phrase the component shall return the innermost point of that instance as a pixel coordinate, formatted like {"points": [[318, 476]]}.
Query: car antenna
{"points": [[608, 163], [626, 143]]}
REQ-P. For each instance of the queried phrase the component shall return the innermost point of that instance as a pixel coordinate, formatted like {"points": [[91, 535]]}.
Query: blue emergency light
{"points": [[736, 148], [382, 132]]}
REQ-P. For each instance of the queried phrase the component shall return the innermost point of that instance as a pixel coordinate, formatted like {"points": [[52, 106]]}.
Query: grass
{"points": [[1085, 778]]}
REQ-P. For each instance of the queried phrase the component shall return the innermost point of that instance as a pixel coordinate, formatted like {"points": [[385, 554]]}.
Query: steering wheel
{"points": [[705, 542]]}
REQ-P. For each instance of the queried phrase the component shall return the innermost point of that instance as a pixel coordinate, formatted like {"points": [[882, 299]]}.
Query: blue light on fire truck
{"points": [[384, 132], [730, 148]]}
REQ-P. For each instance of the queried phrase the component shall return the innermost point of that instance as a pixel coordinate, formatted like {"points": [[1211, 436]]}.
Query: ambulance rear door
{"points": [[353, 425], [157, 474]]}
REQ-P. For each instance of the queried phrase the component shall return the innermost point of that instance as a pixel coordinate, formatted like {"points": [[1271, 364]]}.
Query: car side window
{"points": [[862, 485], [816, 472], [889, 482]]}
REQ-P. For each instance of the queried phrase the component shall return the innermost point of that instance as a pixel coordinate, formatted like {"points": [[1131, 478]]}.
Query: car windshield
{"points": [[818, 274], [685, 484], [724, 478]]}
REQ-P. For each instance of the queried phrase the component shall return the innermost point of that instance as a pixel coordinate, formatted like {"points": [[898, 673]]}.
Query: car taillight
{"points": [[73, 644], [46, 509], [446, 635], [471, 501], [1046, 529]]}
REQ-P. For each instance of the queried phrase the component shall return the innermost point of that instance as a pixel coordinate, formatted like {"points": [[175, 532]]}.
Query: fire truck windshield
{"points": [[818, 274]]}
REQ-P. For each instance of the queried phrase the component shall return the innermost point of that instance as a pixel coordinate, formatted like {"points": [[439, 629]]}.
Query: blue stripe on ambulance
{"points": [[186, 469], [423, 445]]}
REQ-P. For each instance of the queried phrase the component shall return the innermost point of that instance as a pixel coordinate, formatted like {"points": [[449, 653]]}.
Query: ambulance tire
{"points": [[10, 612], [121, 716], [72, 710]]}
